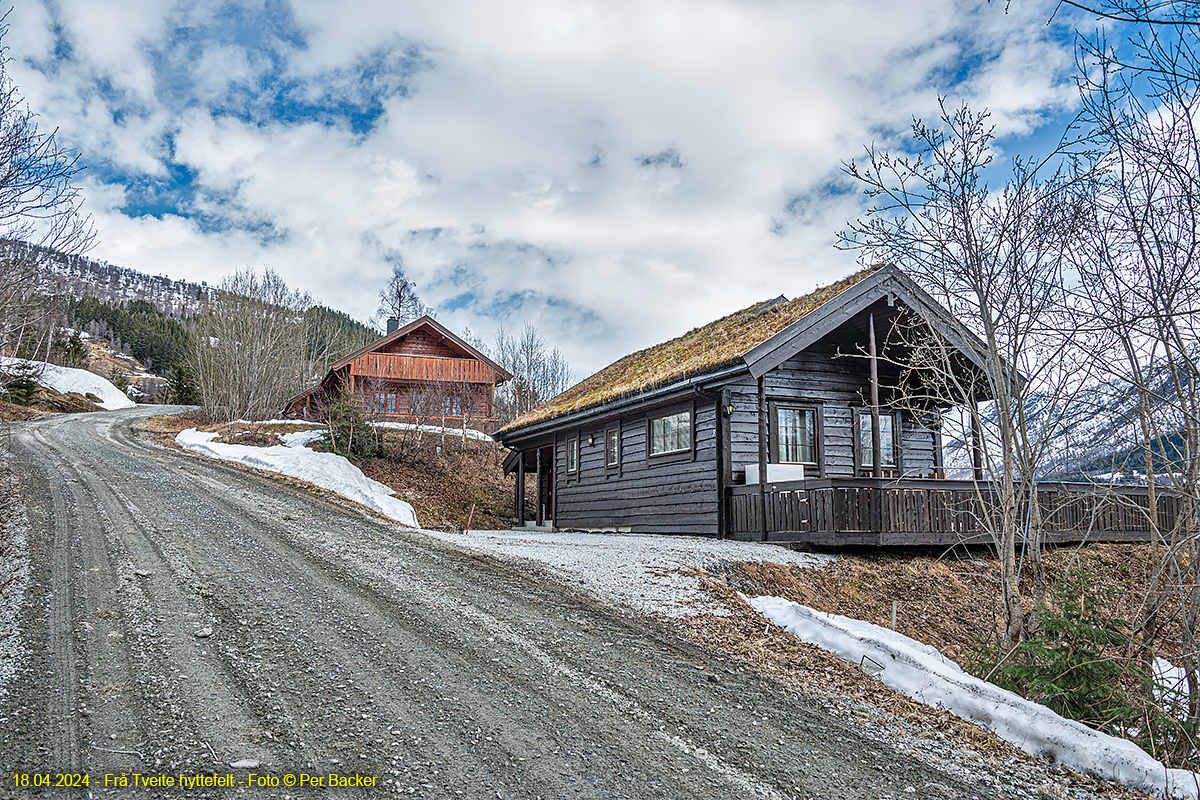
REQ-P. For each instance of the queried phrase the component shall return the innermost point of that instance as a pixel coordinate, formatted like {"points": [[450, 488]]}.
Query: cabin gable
{"points": [[421, 372]]}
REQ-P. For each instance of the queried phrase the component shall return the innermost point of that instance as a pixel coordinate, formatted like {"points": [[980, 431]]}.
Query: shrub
{"points": [[350, 434], [1068, 663], [19, 380]]}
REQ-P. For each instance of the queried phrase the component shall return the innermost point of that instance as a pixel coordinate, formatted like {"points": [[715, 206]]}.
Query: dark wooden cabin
{"points": [[674, 438], [418, 372]]}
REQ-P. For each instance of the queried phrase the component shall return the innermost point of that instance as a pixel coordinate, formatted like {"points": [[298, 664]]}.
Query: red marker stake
{"points": [[470, 517]]}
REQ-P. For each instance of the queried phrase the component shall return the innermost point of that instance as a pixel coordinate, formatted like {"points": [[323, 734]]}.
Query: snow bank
{"points": [[924, 674], [80, 381], [447, 430], [327, 470]]}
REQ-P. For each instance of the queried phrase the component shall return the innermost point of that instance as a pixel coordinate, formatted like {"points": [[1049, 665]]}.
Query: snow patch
{"points": [[67, 380], [471, 433], [301, 438], [924, 674], [327, 470]]}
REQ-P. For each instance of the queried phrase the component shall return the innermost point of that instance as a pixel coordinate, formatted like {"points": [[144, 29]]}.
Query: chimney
{"points": [[393, 325]]}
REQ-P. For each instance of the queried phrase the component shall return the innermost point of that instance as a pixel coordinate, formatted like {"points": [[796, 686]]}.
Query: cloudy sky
{"points": [[615, 172]]}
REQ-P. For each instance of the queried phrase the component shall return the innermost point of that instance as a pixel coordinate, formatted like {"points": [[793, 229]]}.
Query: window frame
{"points": [[572, 450], [860, 445], [818, 443], [687, 451], [612, 464]]}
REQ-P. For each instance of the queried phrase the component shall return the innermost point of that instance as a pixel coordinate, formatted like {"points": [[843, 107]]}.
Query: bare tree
{"points": [[995, 260], [39, 216], [540, 372], [1140, 275], [247, 349], [399, 299]]}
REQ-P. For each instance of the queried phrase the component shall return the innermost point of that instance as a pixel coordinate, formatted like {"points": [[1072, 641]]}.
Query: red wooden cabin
{"points": [[419, 372]]}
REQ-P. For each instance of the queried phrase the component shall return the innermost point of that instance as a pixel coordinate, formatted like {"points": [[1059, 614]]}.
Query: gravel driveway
{"points": [[183, 616]]}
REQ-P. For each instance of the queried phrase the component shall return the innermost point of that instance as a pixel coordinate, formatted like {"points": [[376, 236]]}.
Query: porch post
{"points": [[763, 433], [541, 517], [876, 444], [976, 443], [519, 500]]}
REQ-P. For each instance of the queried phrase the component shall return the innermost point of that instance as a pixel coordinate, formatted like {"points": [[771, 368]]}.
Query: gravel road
{"points": [[183, 615]]}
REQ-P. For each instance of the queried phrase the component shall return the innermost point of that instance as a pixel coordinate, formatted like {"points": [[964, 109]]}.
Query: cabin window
{"points": [[671, 434], [612, 448], [796, 429], [418, 404], [381, 403], [452, 406], [572, 455], [887, 439]]}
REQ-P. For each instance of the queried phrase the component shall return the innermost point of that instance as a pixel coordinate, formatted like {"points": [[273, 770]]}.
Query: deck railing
{"points": [[866, 511]]}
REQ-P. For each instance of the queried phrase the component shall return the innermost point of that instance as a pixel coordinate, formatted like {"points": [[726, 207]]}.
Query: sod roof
{"points": [[718, 344]]}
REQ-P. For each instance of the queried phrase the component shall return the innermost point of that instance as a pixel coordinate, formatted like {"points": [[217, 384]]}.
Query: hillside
{"points": [[147, 316], [79, 276]]}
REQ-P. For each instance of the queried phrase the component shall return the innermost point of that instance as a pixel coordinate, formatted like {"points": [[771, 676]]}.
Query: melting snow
{"points": [[79, 381], [327, 470], [447, 430], [924, 674]]}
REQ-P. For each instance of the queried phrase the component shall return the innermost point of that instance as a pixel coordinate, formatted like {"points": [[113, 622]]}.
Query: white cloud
{"points": [[510, 166]]}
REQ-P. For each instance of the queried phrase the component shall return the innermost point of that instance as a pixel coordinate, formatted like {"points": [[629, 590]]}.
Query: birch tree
{"points": [[40, 214], [995, 260], [248, 346], [1140, 275]]}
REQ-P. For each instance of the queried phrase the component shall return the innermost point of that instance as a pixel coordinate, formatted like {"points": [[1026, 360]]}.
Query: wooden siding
{"points": [[930, 512], [838, 385], [661, 494], [421, 343], [418, 368]]}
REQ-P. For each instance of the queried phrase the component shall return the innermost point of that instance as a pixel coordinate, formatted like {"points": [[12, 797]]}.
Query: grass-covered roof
{"points": [[705, 349]]}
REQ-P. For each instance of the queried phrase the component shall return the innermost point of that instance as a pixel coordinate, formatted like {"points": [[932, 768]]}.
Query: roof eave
{"points": [[695, 381]]}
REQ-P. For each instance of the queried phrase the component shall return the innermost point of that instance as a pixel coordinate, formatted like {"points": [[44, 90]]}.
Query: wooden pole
{"points": [[976, 443], [541, 517], [876, 443], [520, 491], [763, 433]]}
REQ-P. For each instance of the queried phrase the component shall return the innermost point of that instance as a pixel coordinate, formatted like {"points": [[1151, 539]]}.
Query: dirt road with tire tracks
{"points": [[184, 615]]}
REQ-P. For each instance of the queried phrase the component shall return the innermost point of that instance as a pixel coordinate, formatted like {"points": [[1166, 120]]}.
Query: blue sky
{"points": [[614, 172]]}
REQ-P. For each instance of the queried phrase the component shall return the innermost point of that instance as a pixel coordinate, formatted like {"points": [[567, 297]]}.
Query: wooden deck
{"points": [[873, 512]]}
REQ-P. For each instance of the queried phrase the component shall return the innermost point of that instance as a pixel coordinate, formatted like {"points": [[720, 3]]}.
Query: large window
{"points": [[797, 435], [452, 406], [887, 439], [671, 434], [612, 448]]}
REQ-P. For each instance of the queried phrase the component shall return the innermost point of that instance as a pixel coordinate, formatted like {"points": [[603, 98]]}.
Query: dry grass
{"points": [[47, 401], [948, 602], [698, 351], [443, 477], [11, 412]]}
